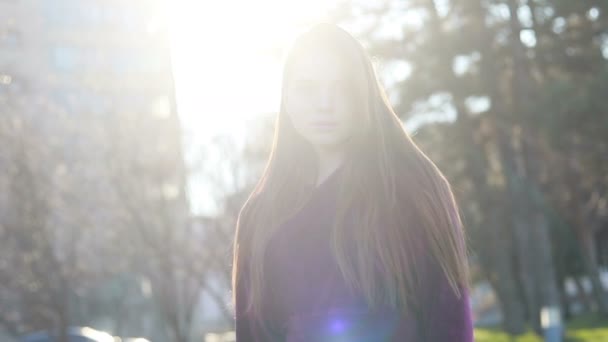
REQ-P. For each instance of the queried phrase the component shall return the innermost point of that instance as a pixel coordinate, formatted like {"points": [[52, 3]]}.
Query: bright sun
{"points": [[224, 75]]}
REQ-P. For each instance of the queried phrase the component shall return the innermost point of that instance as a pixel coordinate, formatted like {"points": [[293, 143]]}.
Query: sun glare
{"points": [[227, 67], [224, 69]]}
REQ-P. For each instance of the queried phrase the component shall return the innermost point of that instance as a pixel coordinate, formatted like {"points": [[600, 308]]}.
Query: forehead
{"points": [[318, 66]]}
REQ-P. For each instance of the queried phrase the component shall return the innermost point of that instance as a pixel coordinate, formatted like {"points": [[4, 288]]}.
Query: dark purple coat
{"points": [[308, 301]]}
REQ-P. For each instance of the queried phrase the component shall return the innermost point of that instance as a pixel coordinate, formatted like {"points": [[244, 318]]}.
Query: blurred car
{"points": [[75, 334]]}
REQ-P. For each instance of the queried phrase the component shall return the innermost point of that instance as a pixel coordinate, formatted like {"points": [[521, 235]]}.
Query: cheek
{"points": [[297, 112], [348, 116]]}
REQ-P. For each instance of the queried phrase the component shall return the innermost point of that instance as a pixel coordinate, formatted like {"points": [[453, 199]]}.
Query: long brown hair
{"points": [[404, 204]]}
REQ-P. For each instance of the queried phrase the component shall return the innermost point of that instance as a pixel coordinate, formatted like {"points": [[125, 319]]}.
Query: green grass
{"points": [[488, 335], [585, 328]]}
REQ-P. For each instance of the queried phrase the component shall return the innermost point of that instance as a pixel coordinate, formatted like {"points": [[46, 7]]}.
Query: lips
{"points": [[324, 124]]}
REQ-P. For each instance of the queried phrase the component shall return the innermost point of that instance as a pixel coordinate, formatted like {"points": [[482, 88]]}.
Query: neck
{"points": [[328, 162]]}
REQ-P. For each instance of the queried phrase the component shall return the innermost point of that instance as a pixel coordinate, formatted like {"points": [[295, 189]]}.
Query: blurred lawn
{"points": [[585, 328]]}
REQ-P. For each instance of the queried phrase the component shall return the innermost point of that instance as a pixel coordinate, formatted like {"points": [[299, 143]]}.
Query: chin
{"points": [[327, 143]]}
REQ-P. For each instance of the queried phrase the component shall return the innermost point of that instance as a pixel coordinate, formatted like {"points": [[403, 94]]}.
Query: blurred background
{"points": [[132, 131]]}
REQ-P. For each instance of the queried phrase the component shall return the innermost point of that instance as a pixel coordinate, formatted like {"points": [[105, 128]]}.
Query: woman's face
{"points": [[319, 101]]}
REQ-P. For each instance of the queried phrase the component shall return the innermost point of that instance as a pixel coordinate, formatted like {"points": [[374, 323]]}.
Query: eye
{"points": [[341, 87], [304, 88]]}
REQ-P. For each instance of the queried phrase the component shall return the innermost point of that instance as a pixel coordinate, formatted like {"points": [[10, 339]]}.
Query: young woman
{"points": [[352, 233]]}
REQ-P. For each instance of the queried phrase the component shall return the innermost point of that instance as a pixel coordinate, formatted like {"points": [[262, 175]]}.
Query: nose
{"points": [[326, 98]]}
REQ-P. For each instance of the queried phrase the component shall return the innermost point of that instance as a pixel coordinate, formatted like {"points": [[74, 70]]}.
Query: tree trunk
{"points": [[531, 228], [63, 326], [565, 302], [526, 268], [547, 288], [582, 295], [531, 235], [503, 282], [495, 247], [592, 269]]}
